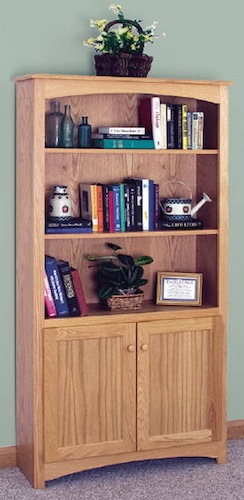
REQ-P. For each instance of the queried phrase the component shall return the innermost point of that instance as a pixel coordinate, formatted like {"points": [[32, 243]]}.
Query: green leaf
{"points": [[126, 260], [113, 246], [106, 292], [143, 260]]}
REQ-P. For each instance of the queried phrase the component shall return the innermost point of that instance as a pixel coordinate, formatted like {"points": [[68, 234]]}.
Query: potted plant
{"points": [[120, 50], [119, 278]]}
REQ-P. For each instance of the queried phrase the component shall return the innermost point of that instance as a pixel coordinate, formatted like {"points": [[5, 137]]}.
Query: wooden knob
{"points": [[131, 348], [144, 347]]}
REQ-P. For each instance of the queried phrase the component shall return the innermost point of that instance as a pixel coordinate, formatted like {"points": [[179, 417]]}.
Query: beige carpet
{"points": [[169, 479]]}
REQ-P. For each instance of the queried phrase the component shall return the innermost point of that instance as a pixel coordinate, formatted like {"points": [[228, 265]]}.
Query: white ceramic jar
{"points": [[60, 203]]}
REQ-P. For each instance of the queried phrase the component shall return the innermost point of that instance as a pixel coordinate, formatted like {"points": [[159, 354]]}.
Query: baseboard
{"points": [[8, 456], [235, 429]]}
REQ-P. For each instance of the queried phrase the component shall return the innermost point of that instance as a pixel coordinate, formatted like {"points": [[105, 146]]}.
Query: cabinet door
{"points": [[89, 391], [180, 387]]}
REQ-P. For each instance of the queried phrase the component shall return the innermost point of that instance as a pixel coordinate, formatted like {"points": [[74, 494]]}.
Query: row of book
{"points": [[172, 126], [132, 205], [162, 126], [63, 291]]}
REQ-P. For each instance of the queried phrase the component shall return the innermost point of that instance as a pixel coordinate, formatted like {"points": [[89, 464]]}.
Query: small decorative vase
{"points": [[60, 204]]}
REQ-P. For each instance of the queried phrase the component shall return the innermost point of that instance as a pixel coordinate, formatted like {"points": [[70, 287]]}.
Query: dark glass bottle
{"points": [[84, 133], [53, 125], [67, 129]]}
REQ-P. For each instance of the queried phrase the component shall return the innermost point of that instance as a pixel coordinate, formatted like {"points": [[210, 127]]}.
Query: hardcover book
{"points": [[122, 130], [56, 285], [197, 129], [184, 126], [48, 299], [68, 230], [189, 224], [123, 143], [79, 291], [163, 113], [178, 126], [88, 203], [138, 201], [171, 126], [100, 214], [74, 222], [116, 206], [122, 206], [65, 273], [150, 117]]}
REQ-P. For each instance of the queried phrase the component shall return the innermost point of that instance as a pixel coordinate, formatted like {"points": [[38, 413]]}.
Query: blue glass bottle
{"points": [[84, 133]]}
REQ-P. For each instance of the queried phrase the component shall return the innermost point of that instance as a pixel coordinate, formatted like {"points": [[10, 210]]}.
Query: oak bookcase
{"points": [[118, 387]]}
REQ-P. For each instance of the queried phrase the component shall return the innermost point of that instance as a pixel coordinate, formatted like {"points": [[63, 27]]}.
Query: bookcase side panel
{"points": [[29, 281]]}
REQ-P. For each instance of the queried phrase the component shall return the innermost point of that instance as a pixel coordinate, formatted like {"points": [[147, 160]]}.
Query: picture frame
{"points": [[183, 289]]}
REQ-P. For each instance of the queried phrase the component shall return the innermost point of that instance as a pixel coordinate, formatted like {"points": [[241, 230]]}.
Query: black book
{"points": [[66, 276], [137, 202], [73, 222], [187, 224], [171, 126]]}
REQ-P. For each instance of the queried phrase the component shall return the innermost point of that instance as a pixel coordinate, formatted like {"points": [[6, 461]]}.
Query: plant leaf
{"points": [[143, 260], [113, 246], [126, 260]]}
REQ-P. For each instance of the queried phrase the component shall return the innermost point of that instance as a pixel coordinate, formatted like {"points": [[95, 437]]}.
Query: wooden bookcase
{"points": [[117, 387]]}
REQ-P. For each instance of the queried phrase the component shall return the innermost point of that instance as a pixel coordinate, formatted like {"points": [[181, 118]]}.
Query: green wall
{"points": [[204, 40]]}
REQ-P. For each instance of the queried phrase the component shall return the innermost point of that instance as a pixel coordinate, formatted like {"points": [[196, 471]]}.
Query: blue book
{"points": [[122, 206], [56, 285], [117, 211], [68, 230], [65, 273]]}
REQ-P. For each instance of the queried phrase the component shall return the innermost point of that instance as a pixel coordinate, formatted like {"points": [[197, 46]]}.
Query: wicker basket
{"points": [[112, 64], [125, 302], [123, 64], [140, 65]]}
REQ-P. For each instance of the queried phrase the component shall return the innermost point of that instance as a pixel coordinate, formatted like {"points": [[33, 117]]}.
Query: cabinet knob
{"points": [[131, 348], [144, 347]]}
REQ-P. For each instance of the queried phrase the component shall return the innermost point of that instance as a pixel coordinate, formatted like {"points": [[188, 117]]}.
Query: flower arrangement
{"points": [[128, 38]]}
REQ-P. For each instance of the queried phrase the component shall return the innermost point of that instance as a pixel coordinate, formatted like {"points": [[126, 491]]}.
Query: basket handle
{"points": [[179, 182], [125, 22]]}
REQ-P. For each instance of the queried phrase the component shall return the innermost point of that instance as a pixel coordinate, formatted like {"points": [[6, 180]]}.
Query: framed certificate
{"points": [[179, 289]]}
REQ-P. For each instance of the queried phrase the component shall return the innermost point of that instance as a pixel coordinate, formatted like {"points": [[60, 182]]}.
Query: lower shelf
{"points": [[148, 312]]}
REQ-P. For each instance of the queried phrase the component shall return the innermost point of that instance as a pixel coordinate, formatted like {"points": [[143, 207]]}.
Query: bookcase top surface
{"points": [[175, 81]]}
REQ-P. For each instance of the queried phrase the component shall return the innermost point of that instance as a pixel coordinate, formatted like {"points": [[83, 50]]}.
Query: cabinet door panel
{"points": [[90, 392], [179, 383]]}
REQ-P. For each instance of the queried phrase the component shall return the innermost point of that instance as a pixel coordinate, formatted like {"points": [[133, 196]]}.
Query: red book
{"points": [[79, 291], [150, 118], [100, 207], [48, 299]]}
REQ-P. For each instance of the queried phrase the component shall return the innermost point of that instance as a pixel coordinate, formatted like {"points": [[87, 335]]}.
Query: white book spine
{"points": [[163, 116], [156, 122]]}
